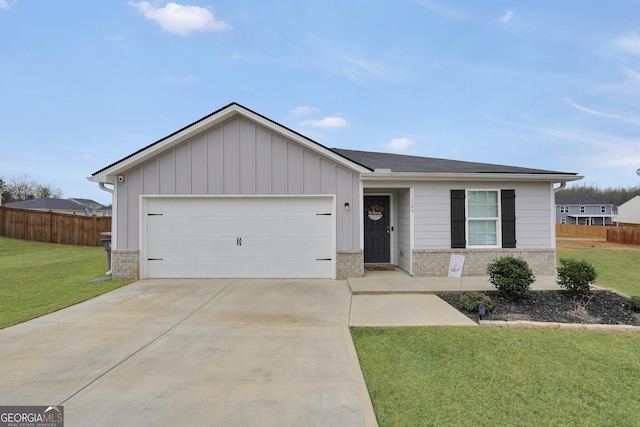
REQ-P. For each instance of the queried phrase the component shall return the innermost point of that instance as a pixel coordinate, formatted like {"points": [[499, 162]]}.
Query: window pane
{"points": [[483, 233], [483, 204]]}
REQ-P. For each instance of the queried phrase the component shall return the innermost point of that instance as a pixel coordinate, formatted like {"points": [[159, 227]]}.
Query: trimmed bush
{"points": [[634, 303], [471, 302], [576, 276], [511, 276]]}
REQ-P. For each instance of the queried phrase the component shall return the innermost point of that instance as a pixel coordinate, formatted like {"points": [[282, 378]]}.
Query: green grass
{"points": [[39, 278], [485, 376], [617, 269]]}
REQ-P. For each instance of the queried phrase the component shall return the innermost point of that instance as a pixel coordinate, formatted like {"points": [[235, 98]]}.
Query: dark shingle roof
{"points": [[581, 200], [404, 163], [47, 203]]}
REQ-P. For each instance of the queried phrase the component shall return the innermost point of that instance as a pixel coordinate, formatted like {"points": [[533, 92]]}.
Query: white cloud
{"points": [[398, 144], [622, 117], [303, 110], [86, 157], [600, 149], [327, 123], [508, 16], [358, 68], [630, 44], [179, 19], [4, 5], [444, 11]]}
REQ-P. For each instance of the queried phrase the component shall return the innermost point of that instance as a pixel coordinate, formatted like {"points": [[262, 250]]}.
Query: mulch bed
{"points": [[599, 307]]}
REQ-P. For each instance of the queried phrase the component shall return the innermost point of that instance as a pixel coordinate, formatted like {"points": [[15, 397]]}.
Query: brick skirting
{"points": [[435, 262], [125, 264], [349, 263]]}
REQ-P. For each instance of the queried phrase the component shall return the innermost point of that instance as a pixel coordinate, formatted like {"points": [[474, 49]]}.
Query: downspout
{"points": [[108, 190], [553, 219], [102, 187], [562, 186]]}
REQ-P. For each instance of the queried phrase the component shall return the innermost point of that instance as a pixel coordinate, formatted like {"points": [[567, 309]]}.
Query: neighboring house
{"points": [[85, 207], [629, 212], [236, 194], [584, 210]]}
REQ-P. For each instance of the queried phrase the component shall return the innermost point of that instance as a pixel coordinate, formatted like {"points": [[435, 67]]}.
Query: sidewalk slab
{"points": [[405, 310]]}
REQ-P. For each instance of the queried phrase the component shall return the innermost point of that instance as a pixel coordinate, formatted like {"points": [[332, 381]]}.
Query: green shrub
{"points": [[576, 276], [471, 302], [634, 303], [511, 276]]}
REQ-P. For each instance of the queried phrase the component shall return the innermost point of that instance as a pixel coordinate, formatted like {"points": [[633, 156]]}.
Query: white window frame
{"points": [[563, 220], [497, 219], [564, 209], [582, 209], [603, 209]]}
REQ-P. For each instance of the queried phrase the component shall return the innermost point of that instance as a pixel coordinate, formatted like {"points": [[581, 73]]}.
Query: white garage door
{"points": [[238, 237]]}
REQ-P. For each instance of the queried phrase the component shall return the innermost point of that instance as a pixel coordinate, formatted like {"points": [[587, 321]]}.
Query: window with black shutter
{"points": [[508, 217], [458, 219]]}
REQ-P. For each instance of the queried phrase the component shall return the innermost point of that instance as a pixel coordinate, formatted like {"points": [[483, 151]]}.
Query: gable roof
{"points": [[581, 200], [108, 173], [364, 162]]}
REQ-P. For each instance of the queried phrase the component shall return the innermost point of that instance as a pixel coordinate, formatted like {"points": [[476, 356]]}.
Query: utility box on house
{"points": [[106, 241]]}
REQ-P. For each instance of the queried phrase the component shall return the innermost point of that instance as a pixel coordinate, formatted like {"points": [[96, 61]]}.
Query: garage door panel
{"points": [[240, 237]]}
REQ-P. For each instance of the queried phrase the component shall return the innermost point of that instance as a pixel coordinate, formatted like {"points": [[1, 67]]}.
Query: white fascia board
{"points": [[109, 174], [413, 176]]}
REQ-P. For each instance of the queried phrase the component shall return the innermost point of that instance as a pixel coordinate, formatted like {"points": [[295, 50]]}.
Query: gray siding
{"points": [[239, 157], [403, 228], [432, 213]]}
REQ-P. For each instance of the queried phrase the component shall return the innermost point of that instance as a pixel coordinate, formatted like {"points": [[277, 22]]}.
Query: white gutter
{"points": [[448, 176]]}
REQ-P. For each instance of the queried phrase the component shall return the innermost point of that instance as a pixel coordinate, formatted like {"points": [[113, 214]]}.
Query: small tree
{"points": [[576, 276], [511, 276]]}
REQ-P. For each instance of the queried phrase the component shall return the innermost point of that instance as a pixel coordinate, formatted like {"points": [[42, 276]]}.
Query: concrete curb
{"points": [[556, 325]]}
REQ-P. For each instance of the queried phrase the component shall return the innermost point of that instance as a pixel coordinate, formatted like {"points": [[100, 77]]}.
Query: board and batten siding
{"points": [[432, 213], [239, 157]]}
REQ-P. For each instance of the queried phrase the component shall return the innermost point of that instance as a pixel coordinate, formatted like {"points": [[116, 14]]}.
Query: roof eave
{"points": [[449, 176]]}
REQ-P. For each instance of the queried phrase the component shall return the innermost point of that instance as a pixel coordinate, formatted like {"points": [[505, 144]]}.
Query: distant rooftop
{"points": [[580, 200]]}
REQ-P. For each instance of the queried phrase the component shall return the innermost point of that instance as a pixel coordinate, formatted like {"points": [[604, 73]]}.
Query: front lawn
{"points": [[617, 269], [487, 376], [39, 278]]}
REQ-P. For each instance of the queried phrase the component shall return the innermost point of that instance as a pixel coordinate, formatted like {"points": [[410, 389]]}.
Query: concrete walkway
{"points": [[205, 352], [393, 298]]}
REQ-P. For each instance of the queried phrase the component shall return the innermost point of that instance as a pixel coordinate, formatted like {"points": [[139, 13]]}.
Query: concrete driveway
{"points": [[193, 352]]}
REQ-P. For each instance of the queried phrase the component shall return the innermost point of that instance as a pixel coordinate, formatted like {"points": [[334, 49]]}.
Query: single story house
{"points": [[237, 195], [629, 212], [85, 207], [584, 210]]}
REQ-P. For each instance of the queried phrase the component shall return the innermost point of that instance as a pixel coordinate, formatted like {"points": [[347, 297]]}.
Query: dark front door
{"points": [[377, 233]]}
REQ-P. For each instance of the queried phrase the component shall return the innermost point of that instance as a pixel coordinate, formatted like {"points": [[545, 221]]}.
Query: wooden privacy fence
{"points": [[582, 230], [53, 227], [626, 235]]}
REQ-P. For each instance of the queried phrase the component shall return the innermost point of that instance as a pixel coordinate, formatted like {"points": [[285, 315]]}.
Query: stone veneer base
{"points": [[349, 263], [125, 264], [435, 262]]}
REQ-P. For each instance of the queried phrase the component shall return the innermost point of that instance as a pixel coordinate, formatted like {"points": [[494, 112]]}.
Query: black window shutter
{"points": [[508, 202], [458, 219]]}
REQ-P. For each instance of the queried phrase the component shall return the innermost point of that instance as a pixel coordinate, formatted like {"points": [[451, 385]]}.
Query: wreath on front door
{"points": [[375, 212]]}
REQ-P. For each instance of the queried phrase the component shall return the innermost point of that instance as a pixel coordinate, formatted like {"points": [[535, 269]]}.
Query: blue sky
{"points": [[544, 84]]}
